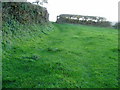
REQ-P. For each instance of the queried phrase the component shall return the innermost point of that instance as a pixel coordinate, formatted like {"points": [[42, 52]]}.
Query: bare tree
{"points": [[41, 2]]}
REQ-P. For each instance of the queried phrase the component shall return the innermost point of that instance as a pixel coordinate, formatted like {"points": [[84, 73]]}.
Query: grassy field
{"points": [[69, 56]]}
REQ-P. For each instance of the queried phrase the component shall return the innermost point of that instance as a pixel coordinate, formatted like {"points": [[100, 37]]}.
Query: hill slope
{"points": [[72, 56]]}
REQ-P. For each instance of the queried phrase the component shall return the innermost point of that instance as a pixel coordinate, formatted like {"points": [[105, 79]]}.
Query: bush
{"points": [[117, 25]]}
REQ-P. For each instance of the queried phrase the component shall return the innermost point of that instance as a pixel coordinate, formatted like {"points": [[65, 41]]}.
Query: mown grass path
{"points": [[72, 56]]}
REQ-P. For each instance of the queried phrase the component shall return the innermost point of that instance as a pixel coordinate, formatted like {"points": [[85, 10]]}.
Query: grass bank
{"points": [[69, 56]]}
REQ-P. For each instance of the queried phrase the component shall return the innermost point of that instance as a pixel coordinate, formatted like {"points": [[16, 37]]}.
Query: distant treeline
{"points": [[86, 20]]}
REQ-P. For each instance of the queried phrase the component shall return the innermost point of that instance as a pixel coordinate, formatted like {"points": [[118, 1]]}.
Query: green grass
{"points": [[70, 56]]}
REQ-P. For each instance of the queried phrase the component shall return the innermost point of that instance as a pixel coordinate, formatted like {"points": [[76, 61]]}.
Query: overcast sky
{"points": [[103, 8]]}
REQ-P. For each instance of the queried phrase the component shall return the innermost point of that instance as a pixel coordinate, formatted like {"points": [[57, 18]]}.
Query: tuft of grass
{"points": [[70, 56]]}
